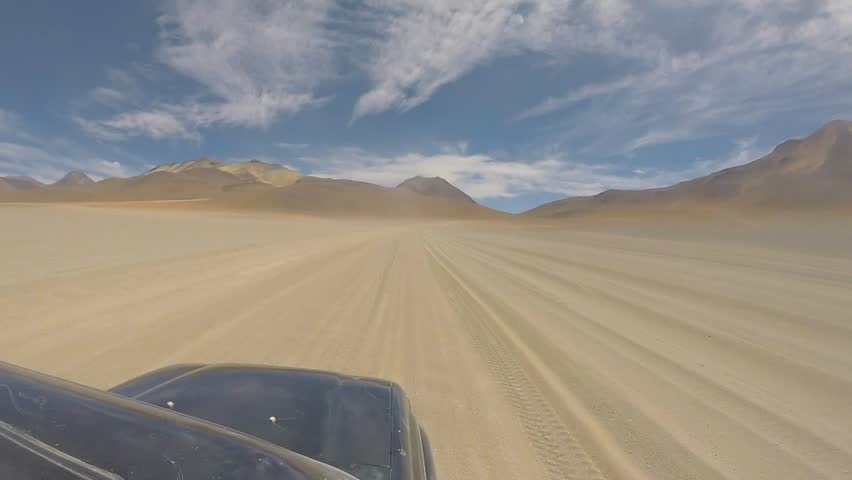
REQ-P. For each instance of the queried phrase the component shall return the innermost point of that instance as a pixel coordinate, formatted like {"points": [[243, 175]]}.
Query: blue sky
{"points": [[515, 101]]}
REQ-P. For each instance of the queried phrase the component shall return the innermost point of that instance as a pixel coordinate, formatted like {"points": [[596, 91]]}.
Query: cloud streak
{"points": [[9, 121], [253, 60], [618, 77], [156, 124], [485, 176], [740, 63], [425, 45], [48, 165]]}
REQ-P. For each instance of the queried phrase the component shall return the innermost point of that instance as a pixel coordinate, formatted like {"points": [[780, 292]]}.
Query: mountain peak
{"points": [[815, 171], [435, 187], [74, 178], [248, 171], [177, 167]]}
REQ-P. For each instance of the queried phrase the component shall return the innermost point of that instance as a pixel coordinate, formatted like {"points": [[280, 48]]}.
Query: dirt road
{"points": [[529, 352]]}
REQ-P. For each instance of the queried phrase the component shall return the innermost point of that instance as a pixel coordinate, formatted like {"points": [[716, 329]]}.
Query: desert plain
{"points": [[649, 349]]}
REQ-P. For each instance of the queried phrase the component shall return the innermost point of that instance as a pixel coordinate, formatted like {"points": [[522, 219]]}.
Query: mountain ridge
{"points": [[435, 187], [815, 171], [73, 178]]}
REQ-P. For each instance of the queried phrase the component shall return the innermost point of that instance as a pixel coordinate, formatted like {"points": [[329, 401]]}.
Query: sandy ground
{"points": [[657, 352]]}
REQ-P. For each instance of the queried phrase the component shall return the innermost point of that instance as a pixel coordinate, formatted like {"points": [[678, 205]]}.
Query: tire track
{"points": [[829, 295], [838, 334], [765, 424], [558, 448]]}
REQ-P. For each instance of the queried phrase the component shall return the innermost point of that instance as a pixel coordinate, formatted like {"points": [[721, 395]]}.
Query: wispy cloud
{"points": [[253, 60], [12, 126], [481, 176], [740, 63], [676, 71], [107, 96], [292, 146], [156, 124], [48, 165], [24, 152], [9, 121], [426, 45], [485, 176]]}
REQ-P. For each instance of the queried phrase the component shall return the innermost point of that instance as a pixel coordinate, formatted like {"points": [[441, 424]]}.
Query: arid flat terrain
{"points": [[530, 351]]}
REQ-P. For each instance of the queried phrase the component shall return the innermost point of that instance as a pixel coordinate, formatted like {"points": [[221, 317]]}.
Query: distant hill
{"points": [[16, 182], [178, 167], [273, 174], [256, 185], [75, 178], [811, 173], [434, 187], [191, 184], [815, 172], [250, 171], [324, 196]]}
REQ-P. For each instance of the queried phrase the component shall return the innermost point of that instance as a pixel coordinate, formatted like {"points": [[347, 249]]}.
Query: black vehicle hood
{"points": [[340, 420], [51, 427]]}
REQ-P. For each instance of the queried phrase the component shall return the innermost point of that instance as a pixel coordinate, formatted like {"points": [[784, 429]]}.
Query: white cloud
{"points": [[155, 124], [292, 146], [12, 126], [107, 96], [687, 69], [733, 64], [49, 165], [426, 45], [253, 61], [9, 121], [484, 176], [106, 168], [479, 175], [254, 58]]}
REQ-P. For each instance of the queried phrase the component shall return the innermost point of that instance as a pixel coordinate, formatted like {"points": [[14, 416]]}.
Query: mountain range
{"points": [[810, 173], [256, 185], [814, 172]]}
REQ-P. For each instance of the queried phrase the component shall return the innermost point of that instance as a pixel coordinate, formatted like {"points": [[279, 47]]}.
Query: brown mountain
{"points": [[324, 196], [250, 171], [814, 172], [17, 182], [75, 178], [434, 187], [193, 184], [203, 162], [257, 185]]}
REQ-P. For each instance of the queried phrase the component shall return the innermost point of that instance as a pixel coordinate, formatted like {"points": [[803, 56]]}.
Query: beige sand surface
{"points": [[530, 352]]}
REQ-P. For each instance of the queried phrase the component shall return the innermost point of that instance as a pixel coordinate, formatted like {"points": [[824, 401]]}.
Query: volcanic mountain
{"points": [[75, 178], [814, 172], [250, 171], [434, 187]]}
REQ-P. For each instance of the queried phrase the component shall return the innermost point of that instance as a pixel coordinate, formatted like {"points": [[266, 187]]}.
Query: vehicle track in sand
{"points": [[557, 447], [528, 353]]}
